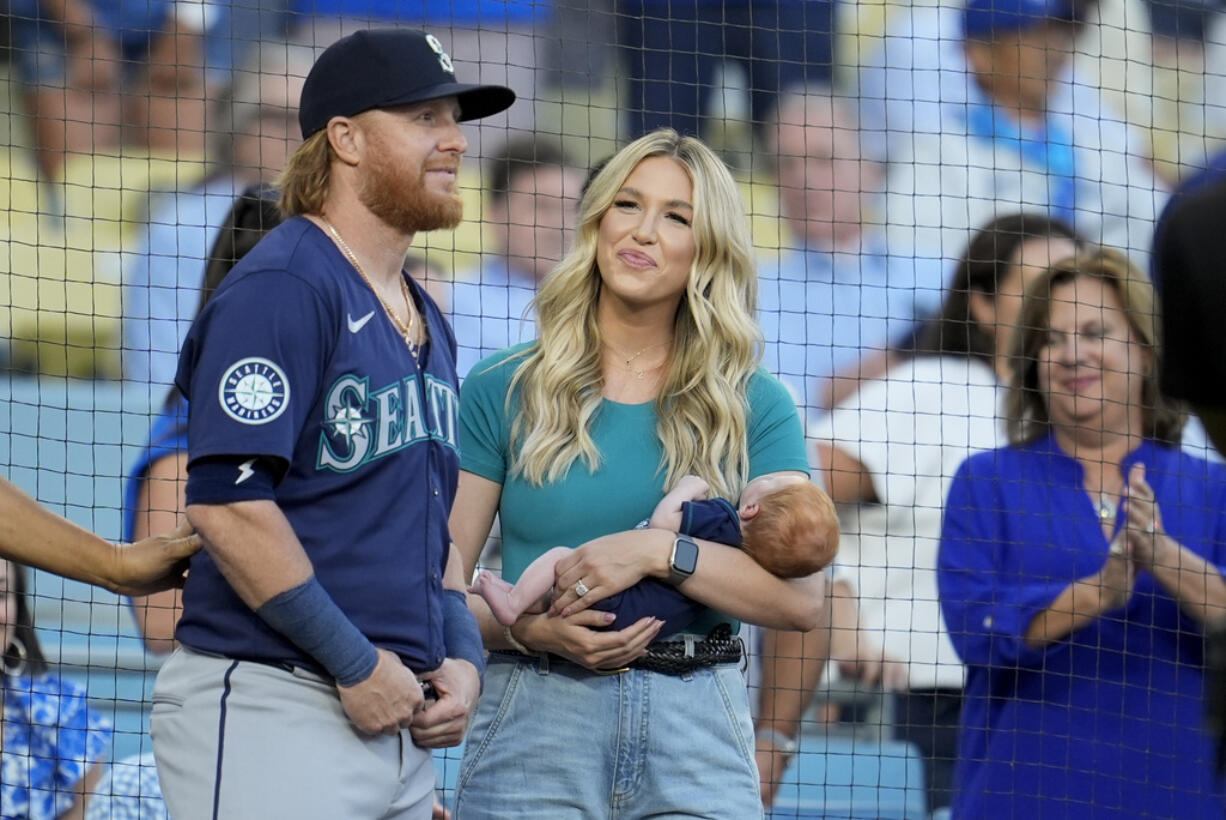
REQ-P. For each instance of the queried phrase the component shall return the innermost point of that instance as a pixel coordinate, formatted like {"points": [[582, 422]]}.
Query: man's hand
{"points": [[153, 564], [444, 722], [385, 702]]}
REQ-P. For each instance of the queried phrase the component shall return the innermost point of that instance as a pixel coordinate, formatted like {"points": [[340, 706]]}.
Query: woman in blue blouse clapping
{"points": [[1077, 568]]}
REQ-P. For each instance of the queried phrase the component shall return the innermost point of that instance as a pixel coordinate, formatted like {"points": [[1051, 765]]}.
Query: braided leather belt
{"points": [[679, 657], [676, 657]]}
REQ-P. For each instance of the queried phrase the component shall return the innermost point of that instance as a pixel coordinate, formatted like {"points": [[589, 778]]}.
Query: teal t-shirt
{"points": [[629, 482]]}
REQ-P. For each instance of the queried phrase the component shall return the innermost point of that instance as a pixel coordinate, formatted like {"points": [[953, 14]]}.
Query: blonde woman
{"points": [[646, 369]]}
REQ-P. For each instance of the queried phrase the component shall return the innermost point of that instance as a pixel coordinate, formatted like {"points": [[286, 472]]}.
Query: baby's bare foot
{"points": [[497, 593]]}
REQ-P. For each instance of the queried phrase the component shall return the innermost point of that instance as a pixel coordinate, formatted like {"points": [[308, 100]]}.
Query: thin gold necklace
{"points": [[406, 331], [629, 360]]}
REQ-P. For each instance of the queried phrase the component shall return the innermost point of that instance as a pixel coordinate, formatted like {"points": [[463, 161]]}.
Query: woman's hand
{"points": [[608, 565], [1143, 519], [1118, 576], [578, 638], [1195, 583]]}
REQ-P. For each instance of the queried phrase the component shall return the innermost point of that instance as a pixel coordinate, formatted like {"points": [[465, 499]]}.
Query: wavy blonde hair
{"points": [[702, 408]]}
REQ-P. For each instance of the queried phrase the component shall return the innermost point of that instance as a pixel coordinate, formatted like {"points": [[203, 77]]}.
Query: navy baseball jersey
{"points": [[294, 359]]}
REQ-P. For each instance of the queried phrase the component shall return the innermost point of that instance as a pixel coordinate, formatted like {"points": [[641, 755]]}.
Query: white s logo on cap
{"points": [[444, 59]]}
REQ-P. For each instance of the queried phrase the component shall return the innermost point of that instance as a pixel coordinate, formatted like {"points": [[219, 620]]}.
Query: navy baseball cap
{"points": [[982, 18], [381, 68]]}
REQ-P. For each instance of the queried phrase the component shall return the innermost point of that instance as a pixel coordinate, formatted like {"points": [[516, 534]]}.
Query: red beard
{"points": [[401, 199]]}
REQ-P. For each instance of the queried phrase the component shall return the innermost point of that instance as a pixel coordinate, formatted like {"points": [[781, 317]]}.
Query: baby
{"points": [[785, 523]]}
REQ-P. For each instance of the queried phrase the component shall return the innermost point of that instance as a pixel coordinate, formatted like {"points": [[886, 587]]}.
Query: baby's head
{"points": [[788, 525]]}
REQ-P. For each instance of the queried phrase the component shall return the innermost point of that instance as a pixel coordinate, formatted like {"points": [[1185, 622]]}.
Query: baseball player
{"points": [[322, 466]]}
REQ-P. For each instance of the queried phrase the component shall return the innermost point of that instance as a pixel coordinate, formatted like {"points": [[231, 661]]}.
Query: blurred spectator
{"points": [[1079, 567], [258, 131], [890, 452], [977, 112], [490, 41], [52, 739], [579, 47], [671, 49], [532, 195], [1158, 63], [129, 790], [836, 293], [430, 277], [95, 73], [236, 28]]}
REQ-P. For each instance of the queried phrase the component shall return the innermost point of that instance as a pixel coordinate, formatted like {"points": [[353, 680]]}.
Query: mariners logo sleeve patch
{"points": [[253, 391]]}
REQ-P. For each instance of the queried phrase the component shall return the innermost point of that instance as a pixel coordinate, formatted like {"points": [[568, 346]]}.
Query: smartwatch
{"points": [[684, 560]]}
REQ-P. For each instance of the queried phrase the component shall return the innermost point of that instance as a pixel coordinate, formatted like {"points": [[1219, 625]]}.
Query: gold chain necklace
{"points": [[406, 331], [629, 360]]}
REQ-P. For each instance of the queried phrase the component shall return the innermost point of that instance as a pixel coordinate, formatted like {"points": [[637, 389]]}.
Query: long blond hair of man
{"points": [[702, 409]]}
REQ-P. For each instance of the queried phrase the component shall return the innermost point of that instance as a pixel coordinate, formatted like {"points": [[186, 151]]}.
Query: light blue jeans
{"points": [[551, 739]]}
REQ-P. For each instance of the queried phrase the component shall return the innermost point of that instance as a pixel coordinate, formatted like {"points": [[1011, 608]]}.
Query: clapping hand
{"points": [[1143, 521], [1118, 576]]}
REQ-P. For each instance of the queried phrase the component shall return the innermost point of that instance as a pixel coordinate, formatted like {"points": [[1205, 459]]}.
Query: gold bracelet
{"points": [[515, 644]]}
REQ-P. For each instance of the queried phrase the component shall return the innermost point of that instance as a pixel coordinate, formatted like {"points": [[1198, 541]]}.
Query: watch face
{"points": [[685, 555]]}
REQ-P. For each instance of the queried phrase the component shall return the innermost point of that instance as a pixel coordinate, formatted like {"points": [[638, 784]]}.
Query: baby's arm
{"points": [[530, 593], [667, 514]]}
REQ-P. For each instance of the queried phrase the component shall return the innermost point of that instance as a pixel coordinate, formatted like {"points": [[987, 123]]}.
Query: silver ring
{"points": [[1151, 528], [581, 588]]}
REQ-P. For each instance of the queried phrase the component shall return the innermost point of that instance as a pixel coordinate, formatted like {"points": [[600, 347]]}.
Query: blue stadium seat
{"points": [[852, 779], [447, 771]]}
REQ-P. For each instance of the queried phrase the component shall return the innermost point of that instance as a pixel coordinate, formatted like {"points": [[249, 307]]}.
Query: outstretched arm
{"points": [[33, 535], [792, 664]]}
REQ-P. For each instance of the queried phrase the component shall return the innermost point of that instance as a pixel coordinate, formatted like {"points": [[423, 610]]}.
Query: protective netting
{"points": [[907, 172]]}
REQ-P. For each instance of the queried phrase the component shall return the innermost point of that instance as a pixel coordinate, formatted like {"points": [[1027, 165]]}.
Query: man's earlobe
{"points": [[344, 138]]}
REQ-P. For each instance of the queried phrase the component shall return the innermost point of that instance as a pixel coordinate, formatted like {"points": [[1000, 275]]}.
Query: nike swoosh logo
{"points": [[357, 324], [244, 471]]}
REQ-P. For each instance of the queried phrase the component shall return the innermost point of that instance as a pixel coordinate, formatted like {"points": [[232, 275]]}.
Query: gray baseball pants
{"points": [[239, 740]]}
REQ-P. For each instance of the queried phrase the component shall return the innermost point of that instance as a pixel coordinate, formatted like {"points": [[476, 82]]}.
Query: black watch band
{"points": [[684, 559]]}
